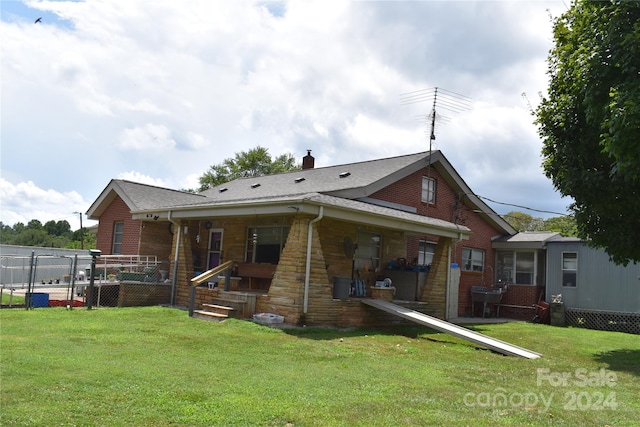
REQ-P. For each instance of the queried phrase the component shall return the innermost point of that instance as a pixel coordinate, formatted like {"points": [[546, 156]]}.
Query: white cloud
{"points": [[141, 178], [167, 89], [24, 201], [147, 137]]}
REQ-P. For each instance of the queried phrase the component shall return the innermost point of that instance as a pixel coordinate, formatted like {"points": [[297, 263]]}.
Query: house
{"points": [[295, 237], [596, 292]]}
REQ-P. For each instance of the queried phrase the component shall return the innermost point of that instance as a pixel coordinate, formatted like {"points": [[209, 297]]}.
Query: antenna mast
{"points": [[454, 102], [442, 98]]}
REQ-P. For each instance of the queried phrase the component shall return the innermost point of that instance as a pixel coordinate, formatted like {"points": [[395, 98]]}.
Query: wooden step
{"points": [[233, 296], [223, 309], [210, 315]]}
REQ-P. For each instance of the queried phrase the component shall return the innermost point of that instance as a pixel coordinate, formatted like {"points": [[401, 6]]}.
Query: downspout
{"points": [[447, 313], [175, 258], [307, 273]]}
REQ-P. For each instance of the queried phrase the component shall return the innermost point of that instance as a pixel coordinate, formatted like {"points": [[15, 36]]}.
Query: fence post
{"points": [[192, 300], [74, 271], [94, 253], [29, 296]]}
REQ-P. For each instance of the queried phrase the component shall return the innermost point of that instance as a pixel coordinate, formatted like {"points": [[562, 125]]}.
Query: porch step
{"points": [[210, 315], [235, 307], [214, 311], [220, 309], [232, 296]]}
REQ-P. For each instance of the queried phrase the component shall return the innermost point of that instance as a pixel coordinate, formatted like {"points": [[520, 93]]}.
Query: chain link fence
{"points": [[43, 280], [129, 281]]}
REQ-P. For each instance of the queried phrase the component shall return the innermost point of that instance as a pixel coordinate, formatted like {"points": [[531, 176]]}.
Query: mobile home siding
{"points": [[600, 284]]}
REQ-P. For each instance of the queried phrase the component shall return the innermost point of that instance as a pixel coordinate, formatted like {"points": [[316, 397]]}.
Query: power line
{"points": [[521, 207]]}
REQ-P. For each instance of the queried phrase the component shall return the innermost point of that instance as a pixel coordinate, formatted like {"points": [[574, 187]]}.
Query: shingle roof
{"points": [[345, 186], [145, 196], [140, 197], [529, 236], [327, 180]]}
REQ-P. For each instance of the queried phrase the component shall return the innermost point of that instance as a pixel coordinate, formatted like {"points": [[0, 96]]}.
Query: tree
{"points": [[524, 222], [246, 164], [565, 225], [590, 122]]}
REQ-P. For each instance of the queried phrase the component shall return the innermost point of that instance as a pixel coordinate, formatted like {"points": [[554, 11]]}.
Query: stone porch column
{"points": [[435, 291], [286, 294]]}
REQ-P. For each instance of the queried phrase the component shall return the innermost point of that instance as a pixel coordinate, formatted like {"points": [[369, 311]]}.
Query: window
{"points": [[368, 252], [425, 252], [428, 190], [472, 259], [517, 267], [569, 268], [524, 268], [118, 232], [265, 244]]}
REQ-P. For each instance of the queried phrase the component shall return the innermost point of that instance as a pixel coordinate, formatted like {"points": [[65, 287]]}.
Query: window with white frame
{"points": [[118, 233], [428, 189], [426, 250], [517, 267], [569, 269], [472, 259]]}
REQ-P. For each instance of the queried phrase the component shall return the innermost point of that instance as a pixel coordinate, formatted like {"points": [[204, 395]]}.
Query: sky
{"points": [[158, 91]]}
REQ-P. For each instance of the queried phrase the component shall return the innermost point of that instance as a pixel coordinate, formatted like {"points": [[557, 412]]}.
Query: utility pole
{"points": [[81, 231]]}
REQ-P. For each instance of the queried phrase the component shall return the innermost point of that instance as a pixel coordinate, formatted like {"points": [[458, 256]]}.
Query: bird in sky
{"points": [[38, 20]]}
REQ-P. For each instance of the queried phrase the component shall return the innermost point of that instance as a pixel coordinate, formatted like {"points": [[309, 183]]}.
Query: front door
{"points": [[214, 257]]}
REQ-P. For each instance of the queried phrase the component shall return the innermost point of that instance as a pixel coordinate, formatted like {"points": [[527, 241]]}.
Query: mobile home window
{"points": [[472, 259], [265, 244], [569, 268], [118, 233], [428, 190]]}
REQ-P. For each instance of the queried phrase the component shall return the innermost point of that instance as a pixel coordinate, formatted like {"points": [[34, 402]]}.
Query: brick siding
{"points": [[118, 211]]}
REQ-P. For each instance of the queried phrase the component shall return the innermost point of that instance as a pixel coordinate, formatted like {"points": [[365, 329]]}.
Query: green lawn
{"points": [[15, 299], [158, 367]]}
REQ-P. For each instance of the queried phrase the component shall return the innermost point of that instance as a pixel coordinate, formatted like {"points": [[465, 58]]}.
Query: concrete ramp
{"points": [[450, 328]]}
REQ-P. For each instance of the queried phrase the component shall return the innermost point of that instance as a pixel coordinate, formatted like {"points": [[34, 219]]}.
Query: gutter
{"points": [[175, 259], [307, 273]]}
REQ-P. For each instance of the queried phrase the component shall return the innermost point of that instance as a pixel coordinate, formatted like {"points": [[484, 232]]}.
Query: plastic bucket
{"points": [[341, 287]]}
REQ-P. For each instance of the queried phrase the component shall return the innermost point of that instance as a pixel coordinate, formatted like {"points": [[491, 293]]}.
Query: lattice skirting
{"points": [[603, 320]]}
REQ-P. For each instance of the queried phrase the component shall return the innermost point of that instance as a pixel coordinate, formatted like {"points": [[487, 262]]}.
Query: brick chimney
{"points": [[308, 161]]}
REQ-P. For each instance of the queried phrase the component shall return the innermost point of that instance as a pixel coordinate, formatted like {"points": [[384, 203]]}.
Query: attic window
{"points": [[222, 190], [297, 180], [344, 174], [256, 185]]}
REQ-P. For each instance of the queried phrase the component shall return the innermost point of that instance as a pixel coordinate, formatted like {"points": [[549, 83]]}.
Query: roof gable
{"points": [[140, 197]]}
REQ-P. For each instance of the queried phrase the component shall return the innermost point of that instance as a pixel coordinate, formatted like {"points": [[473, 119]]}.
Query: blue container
{"points": [[39, 299]]}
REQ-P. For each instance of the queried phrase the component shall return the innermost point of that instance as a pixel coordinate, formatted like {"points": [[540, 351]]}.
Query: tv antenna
{"points": [[442, 99]]}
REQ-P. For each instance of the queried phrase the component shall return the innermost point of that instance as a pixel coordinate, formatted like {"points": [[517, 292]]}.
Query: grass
{"points": [[157, 367], [15, 299]]}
